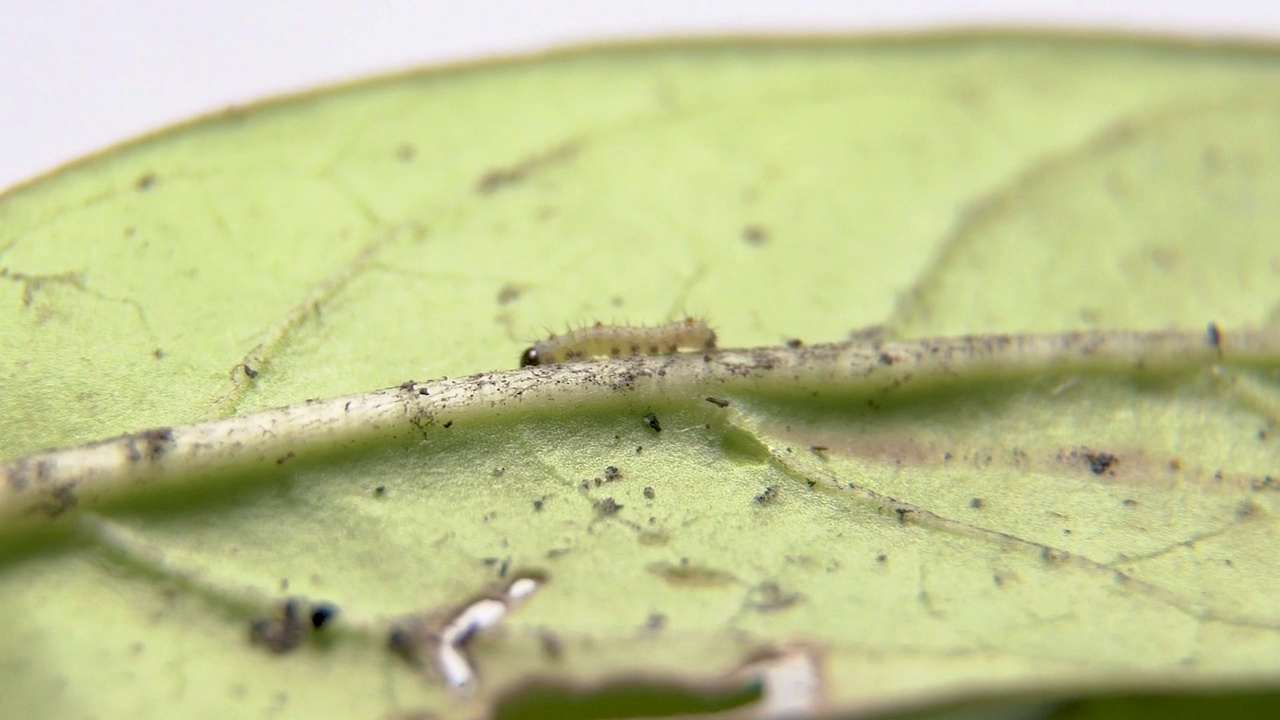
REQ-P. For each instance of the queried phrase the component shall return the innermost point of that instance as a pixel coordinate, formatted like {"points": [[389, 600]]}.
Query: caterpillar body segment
{"points": [[600, 340]]}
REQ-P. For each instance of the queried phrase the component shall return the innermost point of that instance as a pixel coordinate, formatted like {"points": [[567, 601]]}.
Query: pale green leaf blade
{"points": [[1055, 530]]}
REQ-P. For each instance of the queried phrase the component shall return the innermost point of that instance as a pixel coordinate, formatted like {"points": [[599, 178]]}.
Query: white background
{"points": [[78, 75]]}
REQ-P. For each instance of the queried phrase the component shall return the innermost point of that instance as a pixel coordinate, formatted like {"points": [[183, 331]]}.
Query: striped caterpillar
{"points": [[602, 340]]}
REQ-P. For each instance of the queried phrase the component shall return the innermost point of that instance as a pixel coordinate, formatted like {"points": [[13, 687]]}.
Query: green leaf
{"points": [[1061, 515]]}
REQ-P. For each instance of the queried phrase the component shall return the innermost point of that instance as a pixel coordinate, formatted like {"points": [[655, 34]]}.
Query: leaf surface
{"points": [[1065, 529]]}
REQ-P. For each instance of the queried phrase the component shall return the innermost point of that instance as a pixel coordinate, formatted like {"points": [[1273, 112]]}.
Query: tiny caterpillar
{"points": [[602, 340]]}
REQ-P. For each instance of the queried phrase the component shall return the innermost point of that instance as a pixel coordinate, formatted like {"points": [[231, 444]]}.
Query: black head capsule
{"points": [[529, 357]]}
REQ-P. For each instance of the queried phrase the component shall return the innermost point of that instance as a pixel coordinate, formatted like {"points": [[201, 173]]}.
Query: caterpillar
{"points": [[602, 340]]}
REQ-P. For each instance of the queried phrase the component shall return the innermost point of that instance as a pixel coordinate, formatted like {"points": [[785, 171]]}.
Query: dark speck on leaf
{"points": [[145, 182], [400, 640], [250, 371], [322, 613], [280, 634], [551, 644], [755, 235], [1099, 463], [652, 421], [607, 506], [509, 293]]}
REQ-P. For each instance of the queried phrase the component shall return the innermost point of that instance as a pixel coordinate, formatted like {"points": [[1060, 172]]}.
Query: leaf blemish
{"points": [[295, 619], [769, 597], [1054, 556], [607, 507], [500, 178], [32, 284], [148, 444], [653, 538], [322, 613], [766, 496], [690, 575], [509, 293], [418, 639], [1099, 462], [551, 644], [755, 235], [61, 499]]}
